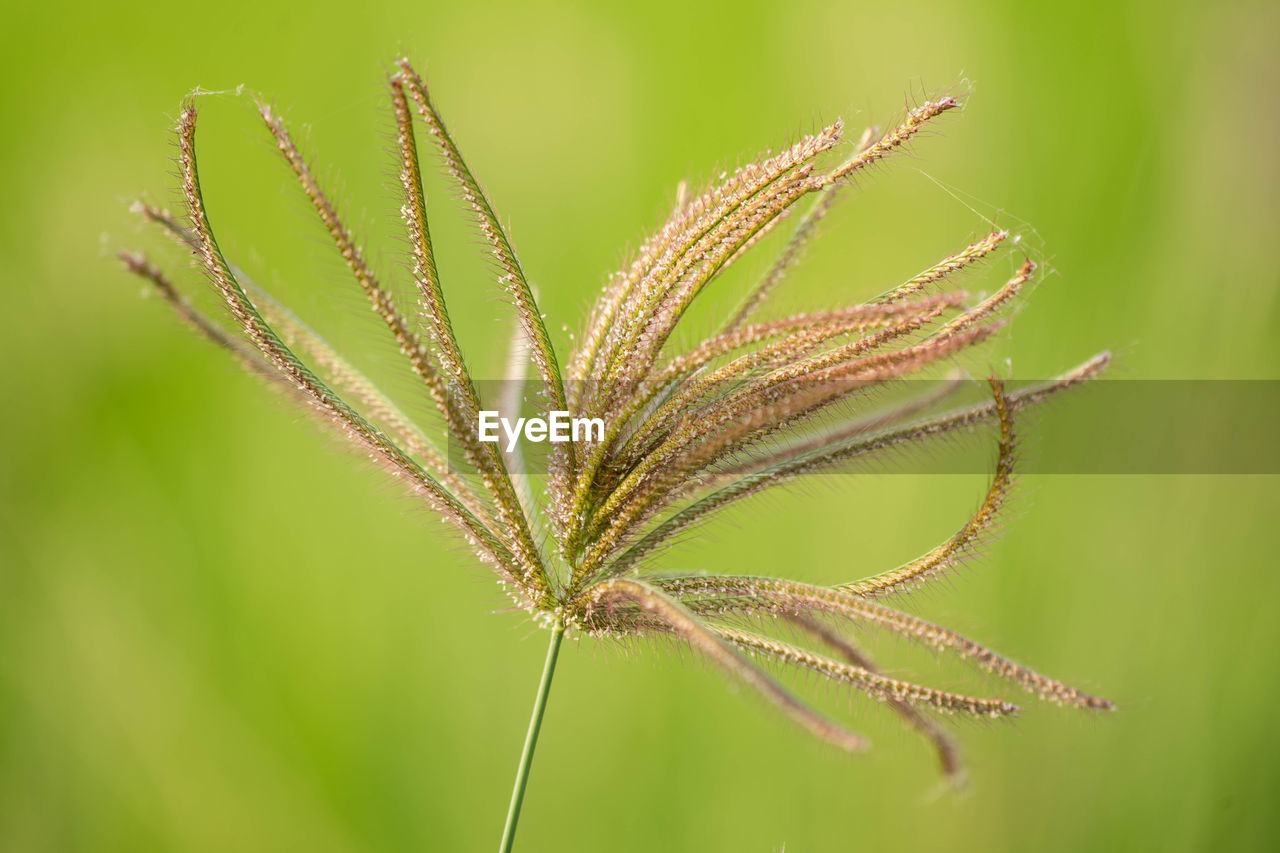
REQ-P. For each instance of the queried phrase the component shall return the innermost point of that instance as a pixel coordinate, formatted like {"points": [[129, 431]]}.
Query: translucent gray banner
{"points": [[1101, 427]]}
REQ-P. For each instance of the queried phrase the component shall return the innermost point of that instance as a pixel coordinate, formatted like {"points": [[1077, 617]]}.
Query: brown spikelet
{"points": [[669, 613], [712, 227], [283, 359], [783, 468], [462, 392], [946, 748], [880, 686], [380, 299], [138, 264], [915, 121], [336, 371], [782, 399], [792, 253], [513, 278], [540, 349], [753, 594], [989, 305], [949, 552], [790, 352], [946, 267]]}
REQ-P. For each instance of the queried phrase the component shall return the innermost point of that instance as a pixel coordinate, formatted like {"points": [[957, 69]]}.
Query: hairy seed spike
{"points": [[790, 351], [745, 199], [655, 305], [845, 433], [804, 333], [717, 435], [513, 278], [279, 355], [754, 402], [380, 299], [486, 457], [687, 627], [514, 383], [790, 255], [342, 375], [948, 553], [786, 469], [793, 251], [915, 121], [871, 316], [947, 750], [990, 304], [947, 266], [882, 687], [747, 593], [139, 265], [530, 318], [349, 381], [395, 423], [674, 296]]}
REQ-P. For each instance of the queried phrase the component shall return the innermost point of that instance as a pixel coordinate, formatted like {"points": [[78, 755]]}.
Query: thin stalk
{"points": [[531, 739]]}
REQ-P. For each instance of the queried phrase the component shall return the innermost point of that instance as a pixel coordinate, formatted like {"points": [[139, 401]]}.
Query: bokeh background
{"points": [[218, 632]]}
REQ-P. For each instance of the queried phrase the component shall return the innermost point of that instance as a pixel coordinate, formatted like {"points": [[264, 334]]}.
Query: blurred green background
{"points": [[218, 633]]}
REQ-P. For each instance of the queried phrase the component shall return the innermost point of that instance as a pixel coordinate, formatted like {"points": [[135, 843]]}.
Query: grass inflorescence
{"points": [[689, 431]]}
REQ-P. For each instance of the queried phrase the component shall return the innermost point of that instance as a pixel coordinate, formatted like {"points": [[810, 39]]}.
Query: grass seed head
{"points": [[689, 430]]}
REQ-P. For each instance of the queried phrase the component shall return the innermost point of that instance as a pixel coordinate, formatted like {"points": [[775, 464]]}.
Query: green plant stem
{"points": [[531, 739]]}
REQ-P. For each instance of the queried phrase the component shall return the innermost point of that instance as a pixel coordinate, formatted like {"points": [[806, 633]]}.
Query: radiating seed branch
{"points": [[946, 554], [486, 457], [275, 351], [690, 629]]}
